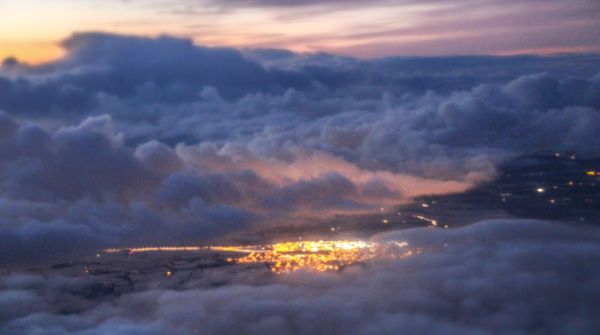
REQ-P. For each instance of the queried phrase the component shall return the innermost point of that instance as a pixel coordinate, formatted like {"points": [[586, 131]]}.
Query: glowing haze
{"points": [[31, 29]]}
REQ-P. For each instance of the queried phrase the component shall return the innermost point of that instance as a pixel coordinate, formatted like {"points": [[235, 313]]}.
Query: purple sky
{"points": [[350, 27]]}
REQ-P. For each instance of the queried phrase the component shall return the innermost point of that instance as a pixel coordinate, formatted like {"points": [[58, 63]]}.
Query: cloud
{"points": [[67, 192], [134, 140], [288, 3], [137, 69], [508, 276], [387, 28], [162, 68]]}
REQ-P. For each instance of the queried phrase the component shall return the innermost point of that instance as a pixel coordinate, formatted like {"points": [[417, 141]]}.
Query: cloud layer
{"points": [[80, 188], [132, 140], [510, 277]]}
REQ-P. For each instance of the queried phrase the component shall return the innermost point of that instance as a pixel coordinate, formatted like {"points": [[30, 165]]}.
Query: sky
{"points": [[32, 30]]}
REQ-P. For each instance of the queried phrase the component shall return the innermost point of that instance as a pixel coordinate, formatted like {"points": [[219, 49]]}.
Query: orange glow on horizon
{"points": [[364, 30], [36, 53], [33, 53]]}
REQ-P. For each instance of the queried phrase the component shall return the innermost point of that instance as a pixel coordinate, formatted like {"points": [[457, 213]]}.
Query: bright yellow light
{"points": [[321, 256], [592, 173], [153, 249], [286, 257], [433, 222]]}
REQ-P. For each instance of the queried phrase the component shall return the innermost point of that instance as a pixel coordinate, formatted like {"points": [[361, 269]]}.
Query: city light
{"points": [[286, 257], [321, 256]]}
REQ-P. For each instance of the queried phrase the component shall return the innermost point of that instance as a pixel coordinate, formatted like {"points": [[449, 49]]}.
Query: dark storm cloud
{"points": [[510, 277]]}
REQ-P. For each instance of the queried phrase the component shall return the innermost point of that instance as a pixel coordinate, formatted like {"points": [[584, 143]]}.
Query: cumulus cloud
{"points": [[78, 188], [150, 140], [512, 277]]}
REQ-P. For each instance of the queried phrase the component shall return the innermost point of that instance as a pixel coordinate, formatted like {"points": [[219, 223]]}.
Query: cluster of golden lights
{"points": [[323, 256], [286, 257]]}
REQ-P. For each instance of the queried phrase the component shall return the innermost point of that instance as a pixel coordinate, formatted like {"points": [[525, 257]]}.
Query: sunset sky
{"points": [[32, 30]]}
